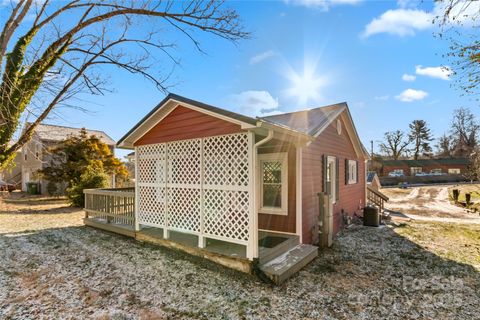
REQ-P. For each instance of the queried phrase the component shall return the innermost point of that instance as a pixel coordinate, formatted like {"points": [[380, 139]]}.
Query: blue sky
{"points": [[304, 54]]}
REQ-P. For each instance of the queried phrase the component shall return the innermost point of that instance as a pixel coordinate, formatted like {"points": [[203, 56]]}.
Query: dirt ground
{"points": [[52, 267], [428, 203]]}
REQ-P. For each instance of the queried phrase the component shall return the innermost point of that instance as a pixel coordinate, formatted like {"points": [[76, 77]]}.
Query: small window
{"points": [[454, 171], [273, 183], [352, 172]]}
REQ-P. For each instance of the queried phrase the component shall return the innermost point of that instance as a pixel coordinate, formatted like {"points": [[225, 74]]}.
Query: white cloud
{"points": [[410, 95], [254, 103], [382, 98], [407, 20], [401, 22], [262, 56], [408, 77], [434, 72], [322, 4]]}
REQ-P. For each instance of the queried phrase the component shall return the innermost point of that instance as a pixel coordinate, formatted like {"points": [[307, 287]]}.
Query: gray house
{"points": [[35, 155]]}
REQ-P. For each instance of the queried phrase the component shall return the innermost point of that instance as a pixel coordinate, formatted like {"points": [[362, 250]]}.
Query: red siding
{"points": [[184, 123], [351, 197], [278, 222]]}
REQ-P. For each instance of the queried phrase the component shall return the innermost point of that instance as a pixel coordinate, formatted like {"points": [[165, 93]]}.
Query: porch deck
{"points": [[113, 210], [268, 242]]}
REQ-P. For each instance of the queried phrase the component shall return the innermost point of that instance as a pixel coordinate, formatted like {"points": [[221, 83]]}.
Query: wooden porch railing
{"points": [[377, 198], [111, 205]]}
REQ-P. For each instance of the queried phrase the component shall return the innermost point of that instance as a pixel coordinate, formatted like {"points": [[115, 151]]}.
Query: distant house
{"points": [[448, 166], [35, 155], [373, 180]]}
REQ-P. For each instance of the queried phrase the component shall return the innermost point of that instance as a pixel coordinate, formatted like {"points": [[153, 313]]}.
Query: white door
{"points": [[26, 179], [331, 178], [332, 192]]}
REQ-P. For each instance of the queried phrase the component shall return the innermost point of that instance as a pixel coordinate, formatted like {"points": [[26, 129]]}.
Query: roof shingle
{"points": [[51, 132], [308, 121]]}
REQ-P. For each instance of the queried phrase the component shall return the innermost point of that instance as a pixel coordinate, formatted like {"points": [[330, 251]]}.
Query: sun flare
{"points": [[306, 86]]}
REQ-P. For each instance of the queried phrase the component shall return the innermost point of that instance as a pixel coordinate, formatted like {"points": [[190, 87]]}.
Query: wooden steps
{"points": [[267, 254], [289, 263]]}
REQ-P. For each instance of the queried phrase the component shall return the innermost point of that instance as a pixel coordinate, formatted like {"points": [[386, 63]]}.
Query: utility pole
{"points": [[371, 143]]}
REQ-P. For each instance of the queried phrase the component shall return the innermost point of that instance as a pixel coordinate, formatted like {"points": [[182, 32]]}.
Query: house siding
{"points": [[184, 123], [277, 222], [351, 197]]}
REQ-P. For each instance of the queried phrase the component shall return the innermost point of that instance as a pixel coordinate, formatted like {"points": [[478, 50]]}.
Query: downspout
{"points": [[255, 189], [265, 140]]}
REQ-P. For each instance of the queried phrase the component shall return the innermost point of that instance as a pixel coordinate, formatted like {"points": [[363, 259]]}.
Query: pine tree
{"points": [[421, 136]]}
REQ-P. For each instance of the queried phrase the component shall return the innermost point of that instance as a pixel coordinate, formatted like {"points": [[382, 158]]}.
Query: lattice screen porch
{"points": [[199, 186]]}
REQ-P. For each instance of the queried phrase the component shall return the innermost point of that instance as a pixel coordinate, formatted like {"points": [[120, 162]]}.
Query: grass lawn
{"points": [[473, 189], [457, 242], [53, 267]]}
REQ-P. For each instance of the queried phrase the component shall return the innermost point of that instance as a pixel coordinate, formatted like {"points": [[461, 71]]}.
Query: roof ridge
{"points": [[307, 110], [67, 127]]}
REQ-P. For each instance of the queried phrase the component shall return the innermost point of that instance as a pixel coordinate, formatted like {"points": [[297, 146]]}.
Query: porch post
{"points": [[298, 192], [252, 248], [137, 192], [201, 238]]}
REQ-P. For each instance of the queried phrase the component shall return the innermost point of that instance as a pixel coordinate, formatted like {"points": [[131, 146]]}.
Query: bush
{"points": [[52, 188], [92, 178]]}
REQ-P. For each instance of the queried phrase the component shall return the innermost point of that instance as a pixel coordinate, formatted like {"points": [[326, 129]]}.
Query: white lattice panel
{"points": [[152, 206], [181, 181], [184, 209], [151, 183], [151, 163], [183, 161], [226, 160], [226, 214]]}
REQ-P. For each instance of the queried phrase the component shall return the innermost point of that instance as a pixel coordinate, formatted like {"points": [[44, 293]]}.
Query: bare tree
{"points": [[444, 147], [395, 144], [464, 132], [464, 50], [66, 48]]}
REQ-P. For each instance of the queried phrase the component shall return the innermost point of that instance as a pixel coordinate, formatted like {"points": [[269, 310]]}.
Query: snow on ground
{"points": [[53, 267], [427, 203]]}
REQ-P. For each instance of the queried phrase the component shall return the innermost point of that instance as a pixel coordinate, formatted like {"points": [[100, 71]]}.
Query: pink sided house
{"points": [[257, 191]]}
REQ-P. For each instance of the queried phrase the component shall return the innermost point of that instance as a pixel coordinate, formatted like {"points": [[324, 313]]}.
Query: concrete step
{"points": [[267, 254], [284, 266]]}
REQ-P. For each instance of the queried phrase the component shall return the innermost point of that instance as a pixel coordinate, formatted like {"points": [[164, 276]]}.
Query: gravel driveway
{"points": [[52, 267]]}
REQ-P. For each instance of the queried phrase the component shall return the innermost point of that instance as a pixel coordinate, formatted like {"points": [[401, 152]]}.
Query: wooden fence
{"points": [[111, 205]]}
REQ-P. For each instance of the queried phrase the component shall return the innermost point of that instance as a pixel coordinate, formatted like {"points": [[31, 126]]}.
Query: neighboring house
{"points": [[13, 173], [373, 180], [219, 175], [450, 166], [35, 153]]}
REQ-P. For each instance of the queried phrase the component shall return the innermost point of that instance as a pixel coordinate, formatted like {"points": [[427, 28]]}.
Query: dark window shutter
{"points": [[347, 171], [337, 179], [324, 173], [357, 171]]}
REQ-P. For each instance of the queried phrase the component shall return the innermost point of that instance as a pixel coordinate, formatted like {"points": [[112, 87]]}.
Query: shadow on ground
{"points": [[368, 273]]}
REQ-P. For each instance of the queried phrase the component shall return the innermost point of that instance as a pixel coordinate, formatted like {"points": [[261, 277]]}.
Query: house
{"points": [[35, 155], [250, 189], [450, 166], [373, 181], [13, 173]]}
